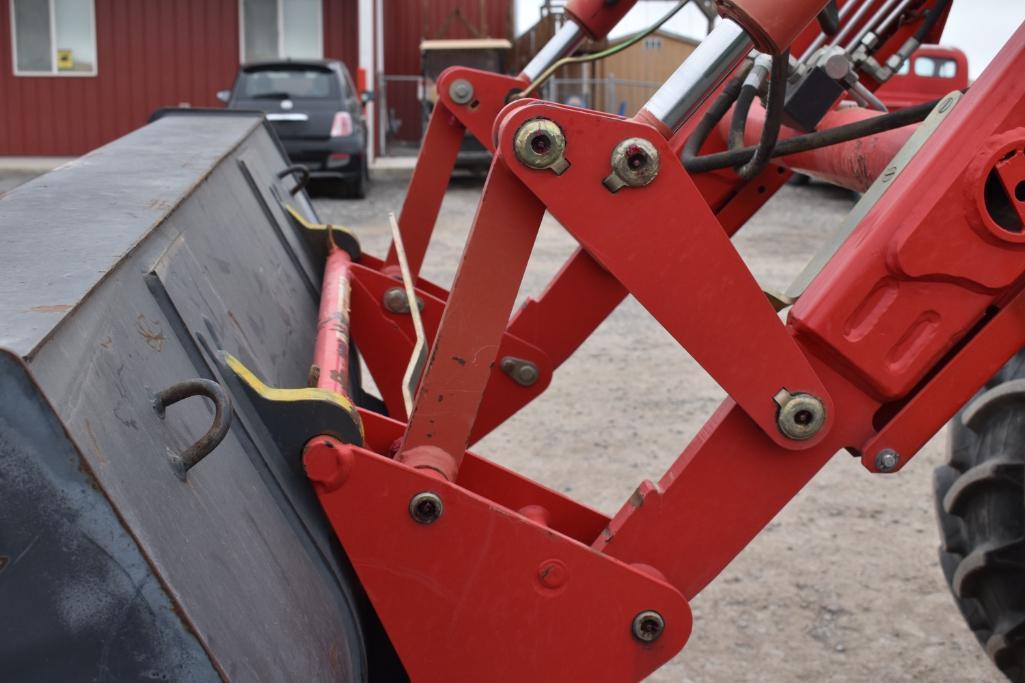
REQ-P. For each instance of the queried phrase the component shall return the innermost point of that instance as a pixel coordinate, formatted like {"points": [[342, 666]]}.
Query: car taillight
{"points": [[342, 125]]}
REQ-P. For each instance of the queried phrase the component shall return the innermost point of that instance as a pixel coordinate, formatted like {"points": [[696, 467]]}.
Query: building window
{"points": [[652, 43], [276, 29], [53, 37]]}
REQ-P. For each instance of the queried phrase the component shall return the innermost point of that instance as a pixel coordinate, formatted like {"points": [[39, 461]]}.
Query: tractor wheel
{"points": [[980, 503]]}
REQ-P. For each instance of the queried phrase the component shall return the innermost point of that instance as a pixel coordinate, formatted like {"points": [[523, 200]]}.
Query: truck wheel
{"points": [[980, 504]]}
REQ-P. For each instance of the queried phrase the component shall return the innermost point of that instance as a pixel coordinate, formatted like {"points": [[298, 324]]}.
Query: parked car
{"points": [[317, 112]]}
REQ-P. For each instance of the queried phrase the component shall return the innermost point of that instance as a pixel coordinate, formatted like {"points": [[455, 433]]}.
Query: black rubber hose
{"points": [[740, 111], [773, 117], [710, 119], [930, 20], [804, 143], [829, 19]]}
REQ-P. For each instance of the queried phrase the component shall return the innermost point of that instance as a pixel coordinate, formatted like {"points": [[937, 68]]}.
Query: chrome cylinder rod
{"points": [[700, 74], [871, 24], [822, 37], [567, 39]]}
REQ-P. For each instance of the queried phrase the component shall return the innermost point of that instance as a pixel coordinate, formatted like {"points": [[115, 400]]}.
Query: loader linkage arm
{"points": [[473, 568]]}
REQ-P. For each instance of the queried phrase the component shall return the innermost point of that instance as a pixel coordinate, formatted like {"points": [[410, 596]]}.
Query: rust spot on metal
{"points": [[338, 377], [159, 204], [314, 376], [94, 442], [461, 361], [237, 324], [58, 308], [4, 560], [151, 331]]}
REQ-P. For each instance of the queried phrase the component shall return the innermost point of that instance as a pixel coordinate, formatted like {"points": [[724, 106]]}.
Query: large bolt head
{"points": [[887, 460], [648, 626], [523, 372], [326, 464], [801, 416], [395, 301], [426, 507], [461, 91], [635, 162], [539, 144]]}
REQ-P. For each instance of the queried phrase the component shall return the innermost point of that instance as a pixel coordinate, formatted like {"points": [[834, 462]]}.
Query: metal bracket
{"points": [[342, 237], [418, 360]]}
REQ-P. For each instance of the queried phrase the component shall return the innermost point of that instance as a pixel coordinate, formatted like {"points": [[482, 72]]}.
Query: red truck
{"points": [[930, 73]]}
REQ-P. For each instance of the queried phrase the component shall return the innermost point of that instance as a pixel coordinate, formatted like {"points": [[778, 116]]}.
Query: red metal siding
{"points": [[407, 22], [151, 54], [341, 32]]}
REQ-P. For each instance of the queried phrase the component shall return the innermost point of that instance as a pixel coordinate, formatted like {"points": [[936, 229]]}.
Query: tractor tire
{"points": [[980, 504]]}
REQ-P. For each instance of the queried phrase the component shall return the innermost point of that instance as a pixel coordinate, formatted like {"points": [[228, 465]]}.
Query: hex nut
{"points": [[426, 507], [327, 465], [461, 91], [648, 626]]}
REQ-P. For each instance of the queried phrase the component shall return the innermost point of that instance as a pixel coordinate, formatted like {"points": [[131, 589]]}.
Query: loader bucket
{"points": [[127, 278]]}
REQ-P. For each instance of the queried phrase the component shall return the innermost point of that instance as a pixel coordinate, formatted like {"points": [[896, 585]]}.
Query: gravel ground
{"points": [[844, 585]]}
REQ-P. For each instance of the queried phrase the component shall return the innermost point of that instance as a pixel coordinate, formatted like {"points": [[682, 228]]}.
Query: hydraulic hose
{"points": [[752, 86], [804, 143], [740, 111], [712, 116], [773, 117]]}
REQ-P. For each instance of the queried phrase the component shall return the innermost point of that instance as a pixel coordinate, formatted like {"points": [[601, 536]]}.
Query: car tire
{"points": [[980, 504], [356, 188]]}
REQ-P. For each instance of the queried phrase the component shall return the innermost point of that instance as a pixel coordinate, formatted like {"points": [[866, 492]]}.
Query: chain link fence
{"points": [[401, 110]]}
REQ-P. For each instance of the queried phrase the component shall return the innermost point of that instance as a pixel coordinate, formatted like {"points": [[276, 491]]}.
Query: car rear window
{"points": [[288, 83]]}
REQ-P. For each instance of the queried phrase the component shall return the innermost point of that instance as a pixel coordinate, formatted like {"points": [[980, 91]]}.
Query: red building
{"points": [[75, 74]]}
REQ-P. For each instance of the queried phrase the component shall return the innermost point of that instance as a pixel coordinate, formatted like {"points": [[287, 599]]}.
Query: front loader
{"points": [[291, 525]]}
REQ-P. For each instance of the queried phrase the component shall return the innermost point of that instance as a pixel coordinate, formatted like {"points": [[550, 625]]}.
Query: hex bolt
{"points": [[523, 372], [426, 507], [327, 465], [540, 144], [461, 91], [395, 301], [648, 626], [635, 163], [887, 460], [801, 416]]}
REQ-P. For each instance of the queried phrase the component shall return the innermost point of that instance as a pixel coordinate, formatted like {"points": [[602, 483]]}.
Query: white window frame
{"points": [[280, 5], [54, 72]]}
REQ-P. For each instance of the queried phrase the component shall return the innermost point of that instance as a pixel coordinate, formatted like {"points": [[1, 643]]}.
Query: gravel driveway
{"points": [[844, 585]]}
